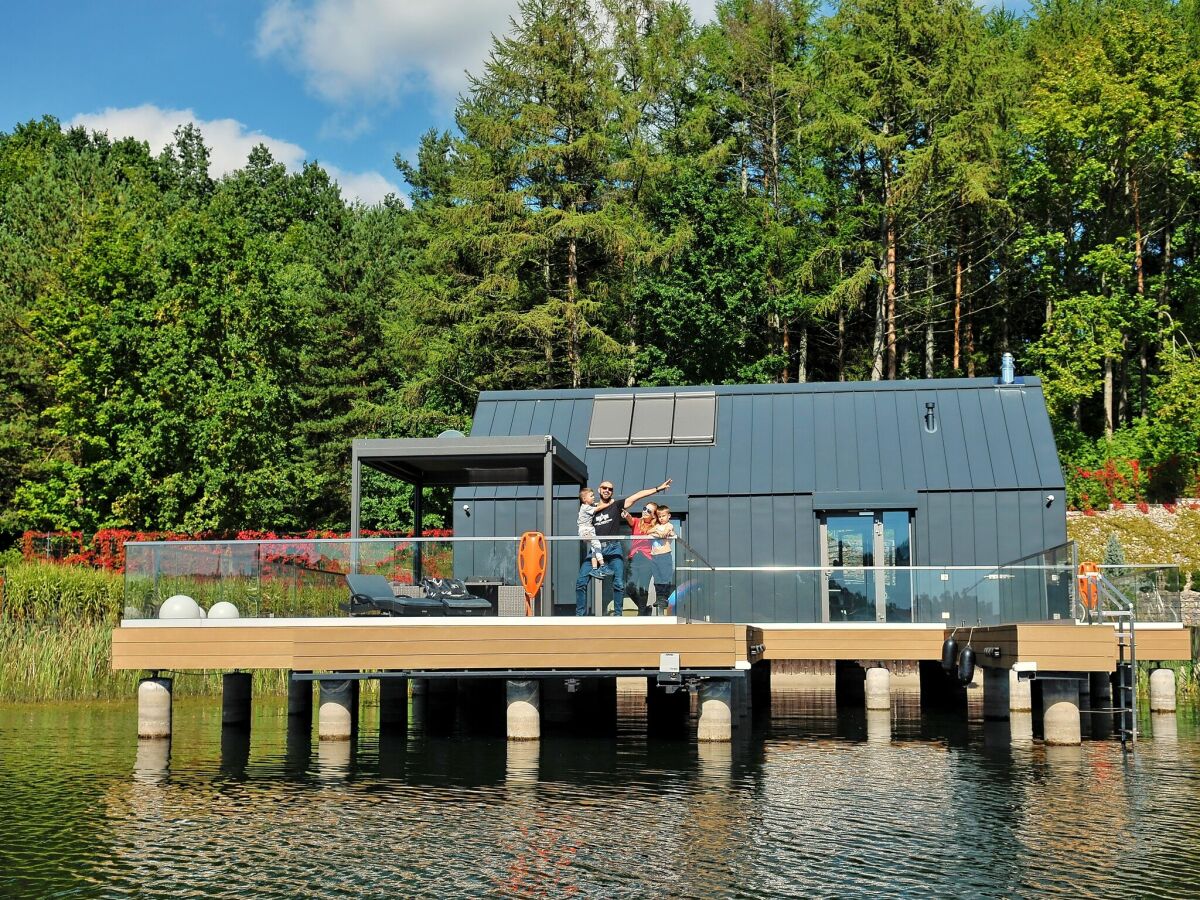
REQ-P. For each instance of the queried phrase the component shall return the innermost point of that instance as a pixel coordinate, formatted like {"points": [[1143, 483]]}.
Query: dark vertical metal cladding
{"points": [[976, 485]]}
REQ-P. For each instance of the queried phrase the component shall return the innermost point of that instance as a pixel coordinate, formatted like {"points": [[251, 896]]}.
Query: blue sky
{"points": [[349, 83]]}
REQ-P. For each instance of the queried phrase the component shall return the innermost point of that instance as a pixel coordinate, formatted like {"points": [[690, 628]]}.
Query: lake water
{"points": [[810, 803]]}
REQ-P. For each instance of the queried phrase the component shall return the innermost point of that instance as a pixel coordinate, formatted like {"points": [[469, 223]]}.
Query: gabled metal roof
{"points": [[818, 438]]}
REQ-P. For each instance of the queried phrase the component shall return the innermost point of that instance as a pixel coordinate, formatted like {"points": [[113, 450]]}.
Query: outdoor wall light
{"points": [[931, 424]]}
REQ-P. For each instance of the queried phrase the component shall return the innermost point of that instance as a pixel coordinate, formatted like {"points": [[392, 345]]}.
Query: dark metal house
{"points": [[838, 477]]}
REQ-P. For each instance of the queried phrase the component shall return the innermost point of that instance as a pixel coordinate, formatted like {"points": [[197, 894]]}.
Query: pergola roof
{"points": [[468, 461]]}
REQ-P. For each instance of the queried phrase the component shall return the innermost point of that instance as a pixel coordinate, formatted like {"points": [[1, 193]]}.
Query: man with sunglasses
{"points": [[607, 521]]}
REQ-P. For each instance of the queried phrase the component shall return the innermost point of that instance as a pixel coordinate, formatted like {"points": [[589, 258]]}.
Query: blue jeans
{"points": [[614, 564]]}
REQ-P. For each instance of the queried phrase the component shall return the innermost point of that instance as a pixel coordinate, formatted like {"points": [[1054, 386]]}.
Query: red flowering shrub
{"points": [[106, 548], [1143, 506]]}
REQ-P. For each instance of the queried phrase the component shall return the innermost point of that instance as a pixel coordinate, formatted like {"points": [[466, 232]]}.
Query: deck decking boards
{"points": [[343, 645]]}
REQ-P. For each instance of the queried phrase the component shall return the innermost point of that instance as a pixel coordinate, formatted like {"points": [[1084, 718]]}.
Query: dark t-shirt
{"points": [[608, 521]]}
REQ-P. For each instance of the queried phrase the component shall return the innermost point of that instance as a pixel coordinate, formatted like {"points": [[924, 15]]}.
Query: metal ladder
{"points": [[1123, 616]]}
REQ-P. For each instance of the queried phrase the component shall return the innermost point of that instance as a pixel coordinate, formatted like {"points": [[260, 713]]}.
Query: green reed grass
{"points": [[56, 626], [40, 662], [48, 592]]}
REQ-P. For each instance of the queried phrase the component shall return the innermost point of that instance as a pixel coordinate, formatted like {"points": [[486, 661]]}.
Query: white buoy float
{"points": [[180, 606], [223, 610]]}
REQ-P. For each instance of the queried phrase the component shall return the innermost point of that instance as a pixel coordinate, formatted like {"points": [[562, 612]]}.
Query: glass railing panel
{"points": [[305, 578], [1154, 591]]}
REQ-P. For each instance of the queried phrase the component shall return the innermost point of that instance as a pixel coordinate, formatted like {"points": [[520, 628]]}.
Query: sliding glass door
{"points": [[852, 543]]}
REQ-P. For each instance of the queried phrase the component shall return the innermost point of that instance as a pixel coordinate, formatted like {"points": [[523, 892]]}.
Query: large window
{"points": [[645, 420]]}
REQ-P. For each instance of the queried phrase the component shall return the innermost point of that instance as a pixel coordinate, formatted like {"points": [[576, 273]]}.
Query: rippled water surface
{"points": [[808, 803]]}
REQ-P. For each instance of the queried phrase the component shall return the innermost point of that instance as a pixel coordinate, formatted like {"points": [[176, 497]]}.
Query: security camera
{"points": [[467, 510], [1049, 499]]}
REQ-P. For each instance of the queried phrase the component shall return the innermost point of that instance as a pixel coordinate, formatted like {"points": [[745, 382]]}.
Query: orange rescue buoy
{"points": [[1089, 590], [531, 565]]}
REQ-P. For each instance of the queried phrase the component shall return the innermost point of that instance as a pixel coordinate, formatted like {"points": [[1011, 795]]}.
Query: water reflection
{"points": [[333, 759], [153, 762], [816, 802]]}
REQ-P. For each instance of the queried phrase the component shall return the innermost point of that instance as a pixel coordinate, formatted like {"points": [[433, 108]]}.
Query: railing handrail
{"points": [[1059, 567]]}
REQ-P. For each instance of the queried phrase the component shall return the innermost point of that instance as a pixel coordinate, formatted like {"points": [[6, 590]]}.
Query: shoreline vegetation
{"points": [[56, 625]]}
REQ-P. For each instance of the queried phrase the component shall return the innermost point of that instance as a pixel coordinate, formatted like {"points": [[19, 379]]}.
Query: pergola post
{"points": [[355, 505], [548, 526], [418, 519]]}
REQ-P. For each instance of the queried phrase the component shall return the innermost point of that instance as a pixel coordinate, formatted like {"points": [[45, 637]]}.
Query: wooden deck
{"points": [[499, 644], [313, 645], [1054, 646]]}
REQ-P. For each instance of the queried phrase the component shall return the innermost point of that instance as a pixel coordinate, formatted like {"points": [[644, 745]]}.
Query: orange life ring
{"points": [[1089, 590], [531, 565]]}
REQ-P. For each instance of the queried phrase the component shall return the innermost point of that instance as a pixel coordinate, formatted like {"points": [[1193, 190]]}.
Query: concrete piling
{"points": [[524, 721], [236, 689], [996, 694], [1060, 719], [716, 714], [154, 708], [1162, 691], [1020, 693], [336, 714], [878, 688]]}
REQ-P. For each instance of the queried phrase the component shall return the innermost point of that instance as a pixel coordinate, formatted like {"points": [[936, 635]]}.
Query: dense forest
{"points": [[880, 189]]}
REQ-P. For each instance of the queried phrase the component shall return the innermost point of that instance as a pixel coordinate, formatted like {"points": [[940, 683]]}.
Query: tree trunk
{"points": [[1108, 396], [572, 313], [958, 273], [841, 344], [802, 356]]}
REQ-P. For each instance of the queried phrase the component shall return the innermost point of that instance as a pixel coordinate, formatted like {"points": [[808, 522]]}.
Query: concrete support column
{"points": [[524, 719], [335, 717], [996, 694], [878, 688], [1060, 721], [154, 708], [1020, 693], [300, 695], [1162, 691], [235, 699], [393, 703], [716, 718]]}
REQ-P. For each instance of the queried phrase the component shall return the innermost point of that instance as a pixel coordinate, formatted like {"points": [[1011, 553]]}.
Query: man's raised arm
{"points": [[641, 495]]}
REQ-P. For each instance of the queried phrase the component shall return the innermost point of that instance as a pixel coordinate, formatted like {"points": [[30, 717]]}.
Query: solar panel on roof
{"points": [[612, 416]]}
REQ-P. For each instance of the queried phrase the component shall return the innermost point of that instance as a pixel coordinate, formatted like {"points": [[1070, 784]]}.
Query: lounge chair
{"points": [[455, 597], [372, 595]]}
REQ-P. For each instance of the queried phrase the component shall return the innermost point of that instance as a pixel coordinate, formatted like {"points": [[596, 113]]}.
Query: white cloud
{"points": [[229, 143], [368, 187], [228, 140], [375, 49]]}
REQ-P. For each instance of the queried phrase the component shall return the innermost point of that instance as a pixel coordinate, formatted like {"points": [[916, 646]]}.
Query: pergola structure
{"points": [[458, 461]]}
